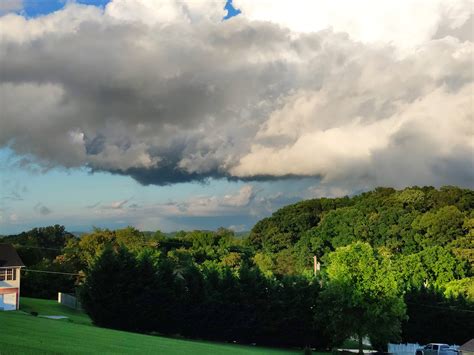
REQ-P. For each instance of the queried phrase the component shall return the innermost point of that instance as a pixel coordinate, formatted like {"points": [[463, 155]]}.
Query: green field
{"points": [[48, 307], [22, 333]]}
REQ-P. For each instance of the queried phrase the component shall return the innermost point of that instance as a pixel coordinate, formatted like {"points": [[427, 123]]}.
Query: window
{"points": [[435, 347], [7, 274]]}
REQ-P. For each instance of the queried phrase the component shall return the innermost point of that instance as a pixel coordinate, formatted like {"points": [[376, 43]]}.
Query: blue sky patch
{"points": [[231, 10], [34, 8]]}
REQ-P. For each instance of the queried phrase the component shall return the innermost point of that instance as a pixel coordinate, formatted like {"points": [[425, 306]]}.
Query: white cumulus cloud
{"points": [[358, 94]]}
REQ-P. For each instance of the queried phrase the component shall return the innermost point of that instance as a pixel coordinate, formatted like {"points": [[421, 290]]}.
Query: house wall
{"points": [[10, 291], [9, 298], [10, 283]]}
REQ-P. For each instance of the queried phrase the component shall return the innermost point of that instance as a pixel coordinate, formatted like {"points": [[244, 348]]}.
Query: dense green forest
{"points": [[392, 262]]}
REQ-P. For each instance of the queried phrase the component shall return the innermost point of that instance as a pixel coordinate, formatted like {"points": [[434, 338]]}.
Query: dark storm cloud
{"points": [[94, 205], [13, 196], [12, 190], [42, 209], [173, 97]]}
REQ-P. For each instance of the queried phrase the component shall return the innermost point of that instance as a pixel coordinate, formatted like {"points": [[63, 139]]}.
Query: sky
{"points": [[170, 115]]}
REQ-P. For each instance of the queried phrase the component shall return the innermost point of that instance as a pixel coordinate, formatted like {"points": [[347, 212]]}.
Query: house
{"points": [[10, 265], [467, 348]]}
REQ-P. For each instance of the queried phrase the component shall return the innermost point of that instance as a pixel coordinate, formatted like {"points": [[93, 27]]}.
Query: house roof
{"points": [[469, 346], [9, 257]]}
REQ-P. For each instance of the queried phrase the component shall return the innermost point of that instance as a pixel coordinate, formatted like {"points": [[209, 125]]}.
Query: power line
{"points": [[52, 272], [440, 307], [33, 247], [412, 303]]}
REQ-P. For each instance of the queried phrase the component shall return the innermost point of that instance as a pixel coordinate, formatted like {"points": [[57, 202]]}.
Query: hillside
{"points": [[399, 223], [419, 241], [22, 333]]}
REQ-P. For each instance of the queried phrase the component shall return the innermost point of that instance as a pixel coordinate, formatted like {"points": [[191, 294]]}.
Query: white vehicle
{"points": [[436, 349]]}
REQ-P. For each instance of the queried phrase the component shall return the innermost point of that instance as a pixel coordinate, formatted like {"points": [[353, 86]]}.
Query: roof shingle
{"points": [[469, 346], [9, 257]]}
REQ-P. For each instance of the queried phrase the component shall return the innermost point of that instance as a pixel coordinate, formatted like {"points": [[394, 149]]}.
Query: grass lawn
{"points": [[354, 344], [22, 333], [52, 308]]}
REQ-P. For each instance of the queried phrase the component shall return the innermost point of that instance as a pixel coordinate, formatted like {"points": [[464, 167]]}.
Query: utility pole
{"points": [[317, 266]]}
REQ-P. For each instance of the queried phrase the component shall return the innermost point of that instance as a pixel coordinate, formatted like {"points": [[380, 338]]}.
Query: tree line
{"points": [[145, 293], [399, 258]]}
